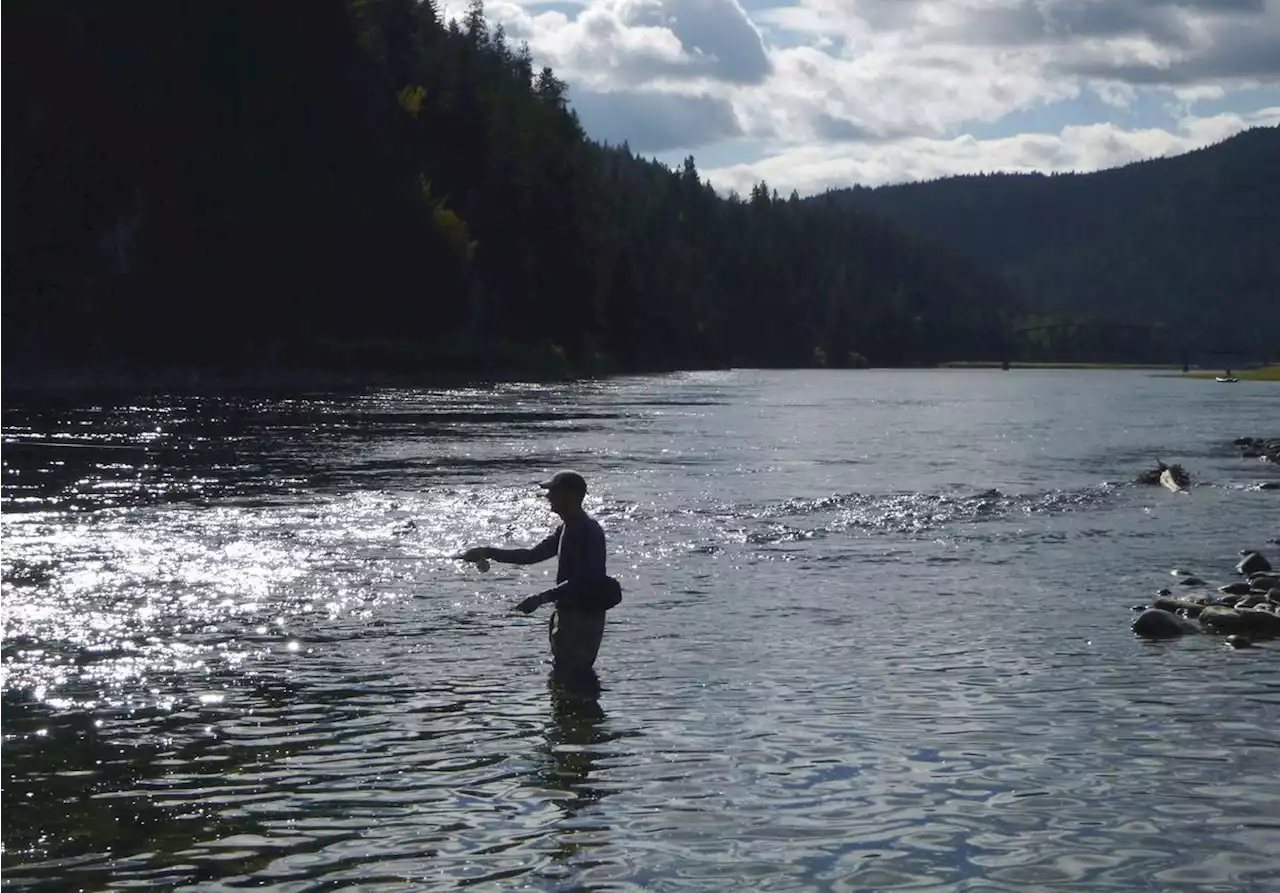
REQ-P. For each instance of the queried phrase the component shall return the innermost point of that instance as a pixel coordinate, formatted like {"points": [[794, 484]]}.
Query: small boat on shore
{"points": [[1226, 379]]}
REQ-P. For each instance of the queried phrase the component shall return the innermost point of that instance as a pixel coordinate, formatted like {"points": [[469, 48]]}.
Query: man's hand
{"points": [[530, 604], [479, 553]]}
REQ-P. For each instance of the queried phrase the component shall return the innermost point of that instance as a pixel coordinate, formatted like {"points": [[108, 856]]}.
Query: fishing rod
{"points": [[9, 443], [92, 446]]}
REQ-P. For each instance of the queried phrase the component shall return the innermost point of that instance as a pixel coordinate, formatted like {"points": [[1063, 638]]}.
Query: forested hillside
{"points": [[1190, 240], [361, 186]]}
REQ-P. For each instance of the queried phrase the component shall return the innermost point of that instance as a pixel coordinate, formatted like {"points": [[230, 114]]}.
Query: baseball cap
{"points": [[568, 480]]}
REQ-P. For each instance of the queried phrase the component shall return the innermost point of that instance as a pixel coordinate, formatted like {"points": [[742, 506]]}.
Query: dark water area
{"points": [[875, 636]]}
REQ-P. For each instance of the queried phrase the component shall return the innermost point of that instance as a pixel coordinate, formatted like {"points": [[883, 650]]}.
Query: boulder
{"points": [[1154, 623]]}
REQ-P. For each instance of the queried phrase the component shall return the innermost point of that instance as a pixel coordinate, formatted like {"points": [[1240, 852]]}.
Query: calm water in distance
{"points": [[875, 636]]}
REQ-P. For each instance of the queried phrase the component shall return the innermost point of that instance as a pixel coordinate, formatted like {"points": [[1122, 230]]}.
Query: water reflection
{"points": [[572, 739], [573, 744], [248, 662]]}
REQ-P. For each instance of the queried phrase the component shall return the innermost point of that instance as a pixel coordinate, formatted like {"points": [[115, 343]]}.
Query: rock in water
{"points": [[1154, 623], [1241, 620], [1252, 562], [1188, 606], [1239, 642]]}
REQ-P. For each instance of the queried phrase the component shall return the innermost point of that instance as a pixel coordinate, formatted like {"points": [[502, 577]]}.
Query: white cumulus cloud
{"points": [[880, 90], [814, 167]]}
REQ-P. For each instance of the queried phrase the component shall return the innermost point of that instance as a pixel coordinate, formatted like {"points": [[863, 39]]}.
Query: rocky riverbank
{"points": [[1245, 610], [1265, 448]]}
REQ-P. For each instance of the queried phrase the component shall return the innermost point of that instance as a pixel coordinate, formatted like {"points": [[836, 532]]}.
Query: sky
{"points": [[817, 94]]}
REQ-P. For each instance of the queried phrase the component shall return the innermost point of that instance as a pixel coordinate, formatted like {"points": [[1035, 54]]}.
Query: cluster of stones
{"points": [[1267, 448], [1245, 610]]}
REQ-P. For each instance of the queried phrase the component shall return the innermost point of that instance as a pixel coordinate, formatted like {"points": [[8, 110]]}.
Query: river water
{"points": [[874, 637]]}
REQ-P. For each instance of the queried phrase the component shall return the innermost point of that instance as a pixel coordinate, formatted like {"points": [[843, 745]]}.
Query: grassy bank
{"points": [[984, 364]]}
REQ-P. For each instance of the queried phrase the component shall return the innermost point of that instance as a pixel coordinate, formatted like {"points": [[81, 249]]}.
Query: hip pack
{"points": [[600, 597]]}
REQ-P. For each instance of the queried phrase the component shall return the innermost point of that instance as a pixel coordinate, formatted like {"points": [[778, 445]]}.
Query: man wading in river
{"points": [[583, 591]]}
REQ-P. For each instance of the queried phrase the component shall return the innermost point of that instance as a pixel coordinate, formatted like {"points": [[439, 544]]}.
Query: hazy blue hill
{"points": [[1193, 240]]}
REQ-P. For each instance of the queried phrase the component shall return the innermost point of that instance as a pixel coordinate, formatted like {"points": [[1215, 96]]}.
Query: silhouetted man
{"points": [[583, 591]]}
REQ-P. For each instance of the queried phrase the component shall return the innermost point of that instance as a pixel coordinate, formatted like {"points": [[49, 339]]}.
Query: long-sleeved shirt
{"points": [[581, 572]]}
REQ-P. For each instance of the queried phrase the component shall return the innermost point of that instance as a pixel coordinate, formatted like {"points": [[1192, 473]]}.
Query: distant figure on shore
{"points": [[583, 590]]}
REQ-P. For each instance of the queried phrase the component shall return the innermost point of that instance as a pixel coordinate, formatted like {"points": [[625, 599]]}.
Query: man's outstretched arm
{"points": [[541, 552]]}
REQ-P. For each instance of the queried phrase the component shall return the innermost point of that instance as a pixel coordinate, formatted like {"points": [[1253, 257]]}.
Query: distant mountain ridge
{"points": [[1192, 240]]}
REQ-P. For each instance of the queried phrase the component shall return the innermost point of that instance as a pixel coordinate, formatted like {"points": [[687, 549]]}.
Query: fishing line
{"points": [[62, 444], [94, 446]]}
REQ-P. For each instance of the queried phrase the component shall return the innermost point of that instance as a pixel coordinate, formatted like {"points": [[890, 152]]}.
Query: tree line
{"points": [[360, 185]]}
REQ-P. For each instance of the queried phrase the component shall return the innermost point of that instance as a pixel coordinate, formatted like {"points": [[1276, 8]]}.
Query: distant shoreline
{"points": [[986, 364], [15, 382], [198, 380], [1170, 370], [1262, 373]]}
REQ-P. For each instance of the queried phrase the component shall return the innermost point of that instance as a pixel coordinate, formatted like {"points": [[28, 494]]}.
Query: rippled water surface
{"points": [[874, 637]]}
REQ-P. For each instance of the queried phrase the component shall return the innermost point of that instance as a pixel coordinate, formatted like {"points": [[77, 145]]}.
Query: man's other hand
{"points": [[530, 604]]}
